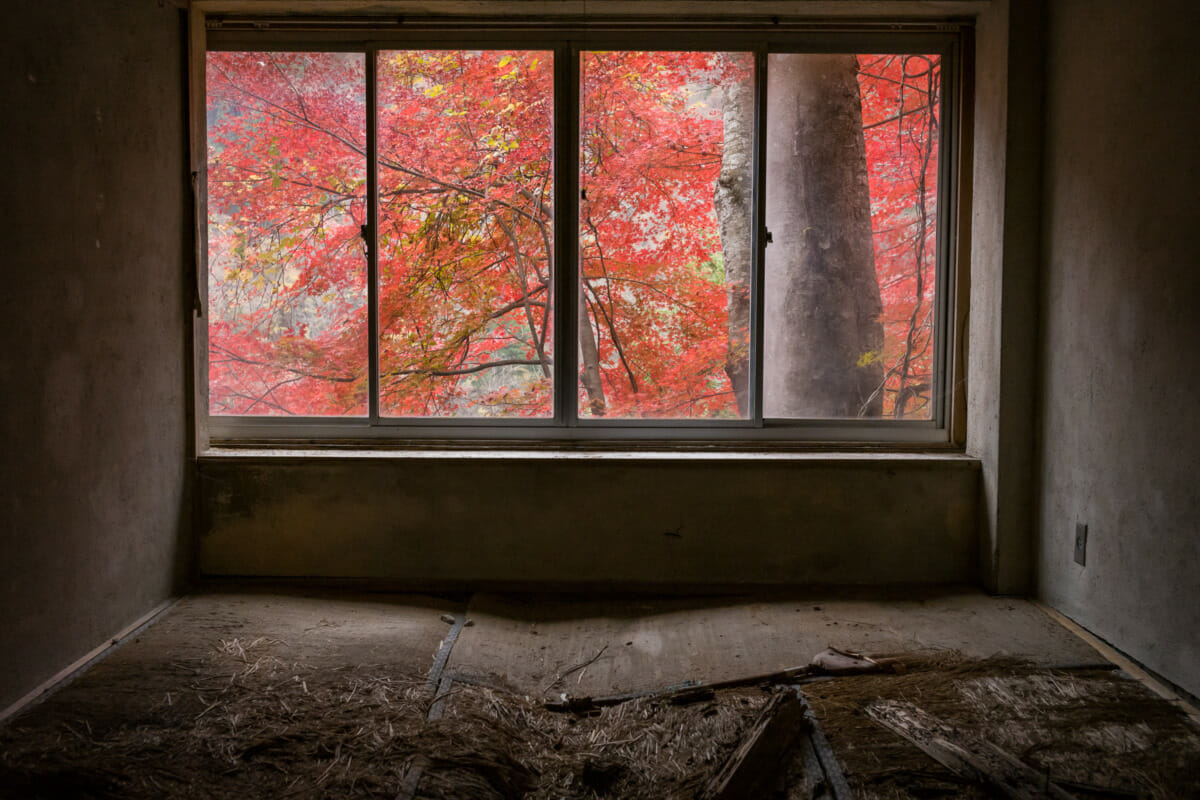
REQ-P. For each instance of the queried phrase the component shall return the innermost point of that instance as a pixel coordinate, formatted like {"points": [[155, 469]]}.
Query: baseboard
{"points": [[1155, 683], [65, 675]]}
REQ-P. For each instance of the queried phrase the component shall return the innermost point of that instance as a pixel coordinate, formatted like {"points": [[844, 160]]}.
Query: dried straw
{"points": [[244, 723]]}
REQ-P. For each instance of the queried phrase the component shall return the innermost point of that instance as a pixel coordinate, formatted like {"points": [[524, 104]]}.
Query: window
{"points": [[575, 233]]}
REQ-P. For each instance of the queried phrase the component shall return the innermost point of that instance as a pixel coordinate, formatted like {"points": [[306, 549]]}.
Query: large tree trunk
{"points": [[732, 197], [823, 336]]}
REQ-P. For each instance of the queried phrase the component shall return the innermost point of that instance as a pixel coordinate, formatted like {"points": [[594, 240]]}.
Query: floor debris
{"points": [[829, 662], [304, 698], [820, 776], [238, 726], [750, 771], [1093, 731], [964, 752]]}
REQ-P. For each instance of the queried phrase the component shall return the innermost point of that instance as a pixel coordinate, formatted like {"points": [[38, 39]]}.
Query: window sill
{"points": [[927, 458]]}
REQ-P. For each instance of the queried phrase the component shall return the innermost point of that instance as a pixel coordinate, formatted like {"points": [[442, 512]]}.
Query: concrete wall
{"points": [[1121, 297], [550, 520], [1004, 259], [93, 501]]}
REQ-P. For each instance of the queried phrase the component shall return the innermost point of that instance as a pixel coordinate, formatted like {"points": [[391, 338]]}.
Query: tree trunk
{"points": [[823, 336], [732, 198], [589, 359]]}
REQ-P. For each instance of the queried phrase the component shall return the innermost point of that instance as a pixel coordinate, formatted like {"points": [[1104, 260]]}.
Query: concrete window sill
{"points": [[814, 458]]}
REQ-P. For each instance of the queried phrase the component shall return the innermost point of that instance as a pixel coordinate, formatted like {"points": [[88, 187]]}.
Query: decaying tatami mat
{"points": [[239, 725], [1096, 733], [305, 697]]}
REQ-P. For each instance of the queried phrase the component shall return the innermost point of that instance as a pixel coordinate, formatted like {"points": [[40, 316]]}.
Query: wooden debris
{"points": [[686, 697], [752, 769], [965, 753], [810, 784], [412, 777], [830, 662], [823, 778]]}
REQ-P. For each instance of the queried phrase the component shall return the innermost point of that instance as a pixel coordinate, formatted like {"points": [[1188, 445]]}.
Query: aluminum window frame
{"points": [[568, 39]]}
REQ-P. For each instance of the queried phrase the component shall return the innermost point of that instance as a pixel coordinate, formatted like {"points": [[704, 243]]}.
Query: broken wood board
{"points": [[753, 768], [828, 663], [1083, 727], [964, 752], [832, 784]]}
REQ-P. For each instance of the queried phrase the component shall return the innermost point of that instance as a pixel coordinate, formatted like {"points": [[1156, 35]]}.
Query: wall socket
{"points": [[1081, 543]]}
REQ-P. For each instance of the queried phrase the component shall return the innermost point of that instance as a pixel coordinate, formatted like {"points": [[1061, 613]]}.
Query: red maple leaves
{"points": [[901, 127], [466, 235]]}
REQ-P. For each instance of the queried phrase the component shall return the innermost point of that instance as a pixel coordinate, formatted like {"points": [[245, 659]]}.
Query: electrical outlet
{"points": [[1081, 543]]}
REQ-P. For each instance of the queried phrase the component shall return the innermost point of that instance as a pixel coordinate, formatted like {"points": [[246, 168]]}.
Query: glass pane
{"points": [[466, 233], [287, 316], [852, 164], [666, 169]]}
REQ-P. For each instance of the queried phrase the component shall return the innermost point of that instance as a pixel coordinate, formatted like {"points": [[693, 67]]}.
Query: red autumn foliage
{"points": [[466, 231]]}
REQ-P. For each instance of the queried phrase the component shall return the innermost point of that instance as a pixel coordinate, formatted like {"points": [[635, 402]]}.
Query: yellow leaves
{"points": [[436, 90], [869, 357]]}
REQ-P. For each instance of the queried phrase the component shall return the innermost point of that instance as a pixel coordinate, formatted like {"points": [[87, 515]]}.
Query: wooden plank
{"points": [[680, 694], [442, 657], [964, 753], [753, 768], [835, 785], [412, 777], [812, 784], [828, 663], [442, 685]]}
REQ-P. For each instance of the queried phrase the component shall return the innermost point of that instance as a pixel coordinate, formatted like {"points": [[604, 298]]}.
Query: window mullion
{"points": [[566, 233], [944, 329], [759, 236], [371, 235]]}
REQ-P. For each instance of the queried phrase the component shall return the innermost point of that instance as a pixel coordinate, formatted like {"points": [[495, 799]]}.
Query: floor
{"points": [[526, 642], [410, 660]]}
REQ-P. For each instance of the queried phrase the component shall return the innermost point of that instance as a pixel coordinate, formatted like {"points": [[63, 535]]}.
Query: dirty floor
{"points": [[271, 693]]}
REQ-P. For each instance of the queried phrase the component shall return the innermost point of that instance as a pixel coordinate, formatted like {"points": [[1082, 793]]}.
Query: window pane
{"points": [[852, 156], [466, 233], [287, 320], [666, 170]]}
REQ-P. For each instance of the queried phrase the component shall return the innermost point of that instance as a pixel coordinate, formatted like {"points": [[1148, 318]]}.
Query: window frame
{"points": [[567, 39]]}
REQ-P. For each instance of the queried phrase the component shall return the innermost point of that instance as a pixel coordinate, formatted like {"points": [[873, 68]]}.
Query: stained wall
{"points": [[1120, 432], [598, 521], [94, 505]]}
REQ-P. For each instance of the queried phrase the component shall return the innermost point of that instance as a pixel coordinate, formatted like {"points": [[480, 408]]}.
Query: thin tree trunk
{"points": [[589, 359], [732, 199], [823, 335]]}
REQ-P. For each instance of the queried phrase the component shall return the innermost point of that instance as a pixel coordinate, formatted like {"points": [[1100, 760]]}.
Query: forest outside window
{"points": [[571, 239]]}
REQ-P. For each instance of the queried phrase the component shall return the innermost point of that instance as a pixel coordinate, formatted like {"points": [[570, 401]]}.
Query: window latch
{"points": [[768, 237]]}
